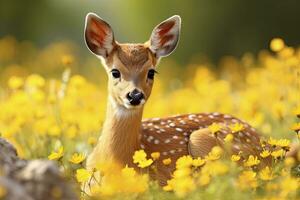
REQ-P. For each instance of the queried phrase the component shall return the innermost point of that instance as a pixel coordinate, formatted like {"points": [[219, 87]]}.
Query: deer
{"points": [[131, 69]]}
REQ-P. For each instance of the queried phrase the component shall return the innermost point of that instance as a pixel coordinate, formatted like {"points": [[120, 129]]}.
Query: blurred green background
{"points": [[213, 28]]}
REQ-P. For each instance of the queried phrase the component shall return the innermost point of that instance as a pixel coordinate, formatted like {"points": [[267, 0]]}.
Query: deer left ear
{"points": [[165, 36], [99, 36]]}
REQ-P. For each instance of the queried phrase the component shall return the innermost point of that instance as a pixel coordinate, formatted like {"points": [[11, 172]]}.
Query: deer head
{"points": [[130, 67]]}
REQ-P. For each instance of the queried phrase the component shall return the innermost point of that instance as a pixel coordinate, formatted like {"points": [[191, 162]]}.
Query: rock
{"points": [[14, 191], [31, 180], [9, 161]]}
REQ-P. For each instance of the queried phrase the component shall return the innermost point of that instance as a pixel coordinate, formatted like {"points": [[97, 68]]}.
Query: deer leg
{"points": [[201, 142]]}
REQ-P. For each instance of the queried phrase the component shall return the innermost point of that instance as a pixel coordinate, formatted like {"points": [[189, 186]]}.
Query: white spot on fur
{"points": [[172, 124], [234, 120], [191, 117], [156, 141], [179, 129], [167, 141], [150, 138], [248, 134], [175, 137], [227, 116], [182, 122]]}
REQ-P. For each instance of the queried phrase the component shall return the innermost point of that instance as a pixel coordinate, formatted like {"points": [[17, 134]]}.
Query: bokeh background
{"points": [[211, 28]]}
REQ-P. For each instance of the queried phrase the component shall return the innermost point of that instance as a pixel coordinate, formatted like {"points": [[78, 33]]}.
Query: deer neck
{"points": [[121, 133]]}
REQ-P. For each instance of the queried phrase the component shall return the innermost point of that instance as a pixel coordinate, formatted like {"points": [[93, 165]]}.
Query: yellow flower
{"points": [[145, 163], [35, 80], [83, 175], [215, 153], [277, 44], [247, 180], [140, 157], [272, 141], [198, 162], [216, 168], [15, 82], [297, 111], [235, 158], [182, 186], [184, 161], [296, 127], [289, 161], [252, 161], [167, 161], [279, 153], [71, 132], [155, 155], [182, 172], [92, 140], [266, 174], [67, 59], [265, 153], [228, 138], [289, 185], [284, 143], [237, 127], [214, 128], [57, 155], [77, 158], [54, 130], [167, 188], [204, 179], [128, 171]]}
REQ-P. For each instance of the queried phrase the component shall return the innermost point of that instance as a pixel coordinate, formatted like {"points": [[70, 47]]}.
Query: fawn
{"points": [[131, 70]]}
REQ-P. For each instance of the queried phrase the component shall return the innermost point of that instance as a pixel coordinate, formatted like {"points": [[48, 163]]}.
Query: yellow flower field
{"points": [[52, 106]]}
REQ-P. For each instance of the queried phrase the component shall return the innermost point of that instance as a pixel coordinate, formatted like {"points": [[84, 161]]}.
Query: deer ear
{"points": [[98, 35], [165, 36]]}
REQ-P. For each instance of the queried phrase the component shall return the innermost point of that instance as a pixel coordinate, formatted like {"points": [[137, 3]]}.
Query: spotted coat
{"points": [[170, 136]]}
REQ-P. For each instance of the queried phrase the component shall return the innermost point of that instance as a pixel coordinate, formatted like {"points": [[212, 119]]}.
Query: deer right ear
{"points": [[99, 36], [165, 36]]}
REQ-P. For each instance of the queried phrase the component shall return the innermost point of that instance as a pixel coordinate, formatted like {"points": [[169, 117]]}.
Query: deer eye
{"points": [[116, 73], [151, 74]]}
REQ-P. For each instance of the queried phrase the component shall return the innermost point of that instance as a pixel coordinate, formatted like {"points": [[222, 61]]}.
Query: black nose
{"points": [[135, 97]]}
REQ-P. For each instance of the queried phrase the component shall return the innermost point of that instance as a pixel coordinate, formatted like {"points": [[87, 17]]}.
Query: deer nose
{"points": [[134, 97]]}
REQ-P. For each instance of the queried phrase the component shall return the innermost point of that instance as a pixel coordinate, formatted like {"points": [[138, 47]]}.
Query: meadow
{"points": [[52, 106]]}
